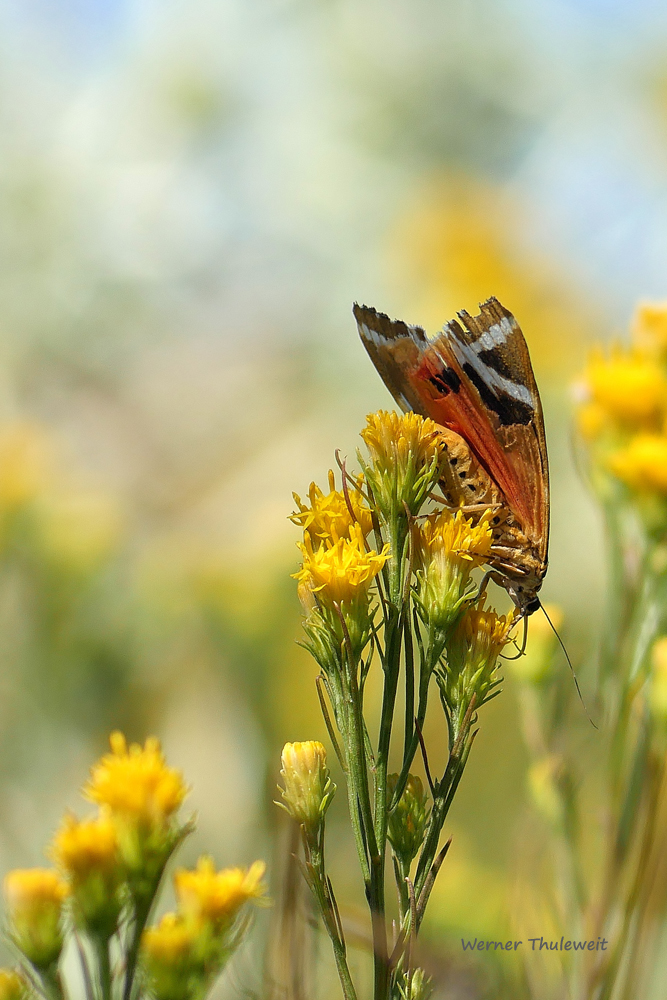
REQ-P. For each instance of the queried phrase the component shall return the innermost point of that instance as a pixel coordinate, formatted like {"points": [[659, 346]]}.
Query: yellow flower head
{"points": [[447, 549], [642, 463], [215, 898], [28, 889], [328, 517], [35, 898], [649, 327], [82, 847], [473, 649], [407, 822], [12, 985], [407, 454], [308, 788], [135, 783], [171, 941], [174, 954], [485, 632], [342, 571], [25, 457], [629, 386], [441, 534]]}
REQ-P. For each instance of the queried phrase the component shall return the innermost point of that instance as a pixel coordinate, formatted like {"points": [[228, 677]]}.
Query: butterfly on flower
{"points": [[475, 379]]}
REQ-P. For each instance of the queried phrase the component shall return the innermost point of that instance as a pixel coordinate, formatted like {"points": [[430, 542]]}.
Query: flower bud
{"points": [[13, 986], [415, 986], [308, 788], [35, 899], [407, 821], [407, 453], [86, 851]]}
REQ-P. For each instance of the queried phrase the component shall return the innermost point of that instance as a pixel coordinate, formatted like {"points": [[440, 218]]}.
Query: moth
{"points": [[475, 379]]}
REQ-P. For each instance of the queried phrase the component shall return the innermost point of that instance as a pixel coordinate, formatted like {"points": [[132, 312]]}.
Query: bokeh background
{"points": [[191, 197]]}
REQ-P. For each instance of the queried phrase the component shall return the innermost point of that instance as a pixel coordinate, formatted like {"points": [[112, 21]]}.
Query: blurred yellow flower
{"points": [[135, 782], [592, 419], [12, 985], [396, 441], [171, 940], [35, 898], [25, 455], [342, 571], [628, 385], [171, 956], [215, 897], [649, 327], [534, 665], [84, 846], [642, 463], [79, 530], [328, 517], [87, 852], [543, 787]]}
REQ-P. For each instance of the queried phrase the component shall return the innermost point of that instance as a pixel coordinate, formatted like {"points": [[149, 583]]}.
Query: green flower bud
{"points": [[308, 788], [35, 899], [407, 822], [415, 986]]}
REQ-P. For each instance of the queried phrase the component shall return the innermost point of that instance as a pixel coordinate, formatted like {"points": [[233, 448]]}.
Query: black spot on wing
{"points": [[446, 381], [509, 410]]}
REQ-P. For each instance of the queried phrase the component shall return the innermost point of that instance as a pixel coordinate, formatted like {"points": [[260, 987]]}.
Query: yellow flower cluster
{"points": [[341, 570], [623, 413], [187, 947], [397, 441], [329, 516], [447, 549]]}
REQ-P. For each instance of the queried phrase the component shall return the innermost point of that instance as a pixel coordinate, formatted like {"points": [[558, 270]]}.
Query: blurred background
{"points": [[191, 197]]}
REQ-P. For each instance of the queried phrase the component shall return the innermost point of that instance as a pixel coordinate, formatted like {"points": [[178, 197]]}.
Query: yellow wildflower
{"points": [[642, 463], [473, 649], [342, 571], [24, 460], [35, 898], [210, 897], [629, 386], [407, 454], [649, 327], [173, 953], [135, 782], [446, 550], [12, 985], [592, 420], [328, 517], [393, 438], [87, 851], [308, 788], [84, 846]]}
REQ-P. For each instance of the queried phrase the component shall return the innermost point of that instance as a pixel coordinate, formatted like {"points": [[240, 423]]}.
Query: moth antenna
{"points": [[569, 662]]}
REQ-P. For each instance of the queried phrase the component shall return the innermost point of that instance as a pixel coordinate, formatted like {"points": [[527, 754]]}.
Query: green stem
{"points": [[103, 966], [141, 913], [324, 896]]}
